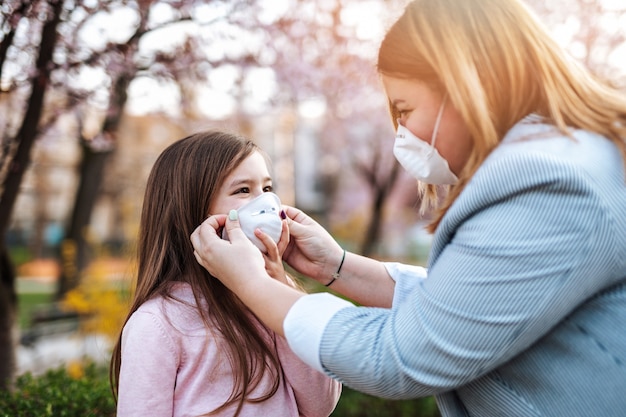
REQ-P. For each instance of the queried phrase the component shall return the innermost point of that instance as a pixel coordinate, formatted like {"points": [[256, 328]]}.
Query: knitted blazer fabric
{"points": [[523, 312]]}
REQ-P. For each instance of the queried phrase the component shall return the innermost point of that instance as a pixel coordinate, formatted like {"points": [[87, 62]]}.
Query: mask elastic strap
{"points": [[436, 129]]}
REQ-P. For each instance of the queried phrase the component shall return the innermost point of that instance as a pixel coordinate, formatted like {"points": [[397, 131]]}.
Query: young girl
{"points": [[189, 347]]}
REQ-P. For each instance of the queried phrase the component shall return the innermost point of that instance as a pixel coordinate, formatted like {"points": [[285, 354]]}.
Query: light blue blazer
{"points": [[523, 311]]}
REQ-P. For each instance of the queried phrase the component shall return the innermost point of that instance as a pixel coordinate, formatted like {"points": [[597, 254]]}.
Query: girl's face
{"points": [[418, 106], [247, 181]]}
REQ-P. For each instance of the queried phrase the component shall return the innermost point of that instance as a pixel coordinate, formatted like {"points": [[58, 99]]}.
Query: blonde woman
{"points": [[522, 307], [189, 347]]}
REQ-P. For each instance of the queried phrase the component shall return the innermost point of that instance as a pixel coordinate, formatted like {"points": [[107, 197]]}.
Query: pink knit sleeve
{"points": [[316, 394], [148, 370]]}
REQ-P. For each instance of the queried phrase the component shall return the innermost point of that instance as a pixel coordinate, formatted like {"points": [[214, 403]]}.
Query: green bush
{"points": [[57, 393], [356, 404], [86, 393]]}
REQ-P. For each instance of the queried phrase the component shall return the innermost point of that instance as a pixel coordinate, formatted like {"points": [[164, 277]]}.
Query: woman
{"points": [[189, 347], [522, 307]]}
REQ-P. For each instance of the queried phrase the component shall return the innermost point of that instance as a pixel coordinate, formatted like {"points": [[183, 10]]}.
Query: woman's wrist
{"points": [[331, 264], [335, 275]]}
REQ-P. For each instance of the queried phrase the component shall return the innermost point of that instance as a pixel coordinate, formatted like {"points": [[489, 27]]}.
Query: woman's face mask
{"points": [[264, 213], [420, 158]]}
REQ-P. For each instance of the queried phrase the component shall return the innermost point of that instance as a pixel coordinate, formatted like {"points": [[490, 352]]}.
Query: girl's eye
{"points": [[268, 189], [242, 190]]}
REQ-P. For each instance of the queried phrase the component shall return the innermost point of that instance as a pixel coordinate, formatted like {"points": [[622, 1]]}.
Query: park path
{"points": [[56, 346], [58, 350]]}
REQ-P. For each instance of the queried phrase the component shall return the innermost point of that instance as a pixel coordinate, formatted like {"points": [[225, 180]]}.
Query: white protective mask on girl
{"points": [[262, 212], [420, 158]]}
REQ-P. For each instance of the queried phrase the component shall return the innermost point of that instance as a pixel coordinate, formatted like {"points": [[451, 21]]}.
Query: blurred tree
{"points": [[380, 170], [43, 16], [334, 45], [96, 150], [122, 62], [593, 31]]}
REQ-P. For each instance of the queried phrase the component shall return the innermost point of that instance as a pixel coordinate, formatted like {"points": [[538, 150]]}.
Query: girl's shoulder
{"points": [[176, 311], [178, 295]]}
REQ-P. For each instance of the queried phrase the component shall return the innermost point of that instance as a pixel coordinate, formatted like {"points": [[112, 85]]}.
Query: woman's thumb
{"points": [[233, 227], [295, 228]]}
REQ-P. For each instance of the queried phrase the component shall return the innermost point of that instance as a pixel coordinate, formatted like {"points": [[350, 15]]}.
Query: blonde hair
{"points": [[498, 64]]}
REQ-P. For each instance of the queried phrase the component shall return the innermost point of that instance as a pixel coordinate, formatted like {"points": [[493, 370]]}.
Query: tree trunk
{"points": [[25, 139], [75, 247], [381, 191], [372, 234], [75, 256], [8, 309], [29, 129]]}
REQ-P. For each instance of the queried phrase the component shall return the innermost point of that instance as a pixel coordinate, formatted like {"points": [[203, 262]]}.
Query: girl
{"points": [[189, 347]]}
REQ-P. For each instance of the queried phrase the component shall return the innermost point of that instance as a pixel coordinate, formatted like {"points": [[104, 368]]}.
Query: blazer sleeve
{"points": [[148, 369], [521, 242]]}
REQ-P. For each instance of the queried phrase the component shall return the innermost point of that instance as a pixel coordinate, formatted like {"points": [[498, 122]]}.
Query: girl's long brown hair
{"points": [[180, 189], [498, 64]]}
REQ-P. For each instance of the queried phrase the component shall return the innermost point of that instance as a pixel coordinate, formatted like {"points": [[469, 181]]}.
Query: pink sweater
{"points": [[172, 366]]}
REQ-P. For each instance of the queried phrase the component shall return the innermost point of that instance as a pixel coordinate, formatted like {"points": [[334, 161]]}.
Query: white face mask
{"points": [[420, 158], [263, 212]]}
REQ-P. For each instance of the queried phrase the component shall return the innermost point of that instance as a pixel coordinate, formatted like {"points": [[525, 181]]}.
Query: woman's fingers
{"points": [[205, 234], [297, 215], [214, 253]]}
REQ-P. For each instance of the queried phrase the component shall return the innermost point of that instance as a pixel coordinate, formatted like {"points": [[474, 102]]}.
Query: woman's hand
{"points": [[240, 266], [273, 258], [312, 251], [234, 262]]}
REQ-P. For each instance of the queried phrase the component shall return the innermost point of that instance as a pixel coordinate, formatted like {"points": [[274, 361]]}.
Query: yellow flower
{"points": [[78, 301], [75, 370]]}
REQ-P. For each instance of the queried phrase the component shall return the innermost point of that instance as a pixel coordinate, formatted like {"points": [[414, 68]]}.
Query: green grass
{"points": [[29, 302], [356, 404], [32, 294]]}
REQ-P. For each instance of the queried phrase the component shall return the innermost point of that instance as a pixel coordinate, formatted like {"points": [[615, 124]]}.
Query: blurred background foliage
{"points": [[92, 91]]}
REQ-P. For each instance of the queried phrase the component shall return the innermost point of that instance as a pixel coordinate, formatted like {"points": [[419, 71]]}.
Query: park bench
{"points": [[49, 320]]}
